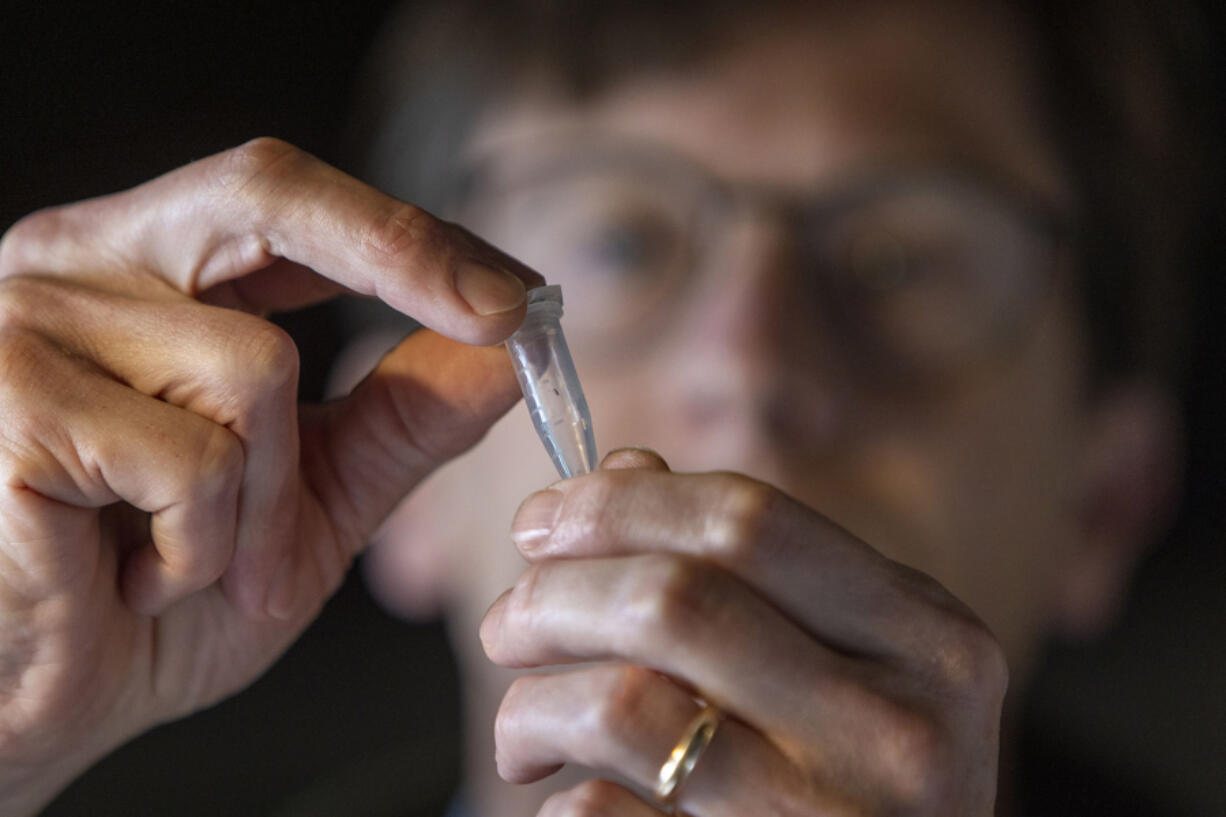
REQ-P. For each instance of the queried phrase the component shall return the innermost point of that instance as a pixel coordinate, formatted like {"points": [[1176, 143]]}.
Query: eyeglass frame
{"points": [[1050, 224]]}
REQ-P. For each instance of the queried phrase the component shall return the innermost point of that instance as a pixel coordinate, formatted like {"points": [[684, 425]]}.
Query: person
{"points": [[847, 270]]}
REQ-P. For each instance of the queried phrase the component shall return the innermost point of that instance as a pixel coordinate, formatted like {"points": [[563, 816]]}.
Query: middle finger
{"points": [[820, 575], [694, 622]]}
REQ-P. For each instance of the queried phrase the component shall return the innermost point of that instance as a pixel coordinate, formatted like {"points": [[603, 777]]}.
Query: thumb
{"points": [[429, 400]]}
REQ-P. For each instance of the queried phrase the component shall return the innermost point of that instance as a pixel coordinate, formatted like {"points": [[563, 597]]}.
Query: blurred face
{"points": [[829, 259]]}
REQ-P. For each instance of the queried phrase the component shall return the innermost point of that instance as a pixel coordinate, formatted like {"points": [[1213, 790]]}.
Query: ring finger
{"points": [[627, 720]]}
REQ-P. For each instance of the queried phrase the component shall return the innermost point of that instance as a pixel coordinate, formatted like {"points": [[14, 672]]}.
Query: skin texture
{"points": [[239, 511], [792, 587]]}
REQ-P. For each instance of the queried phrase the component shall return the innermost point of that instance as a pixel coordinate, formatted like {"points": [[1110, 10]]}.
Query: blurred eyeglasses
{"points": [[918, 273]]}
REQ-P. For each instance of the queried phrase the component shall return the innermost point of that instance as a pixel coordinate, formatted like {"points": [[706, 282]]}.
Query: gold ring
{"points": [[684, 756]]}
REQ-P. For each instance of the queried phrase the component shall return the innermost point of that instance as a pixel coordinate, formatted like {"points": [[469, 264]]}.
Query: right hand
{"points": [[170, 519]]}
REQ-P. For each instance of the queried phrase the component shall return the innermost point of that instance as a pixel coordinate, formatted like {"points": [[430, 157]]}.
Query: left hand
{"points": [[850, 684]]}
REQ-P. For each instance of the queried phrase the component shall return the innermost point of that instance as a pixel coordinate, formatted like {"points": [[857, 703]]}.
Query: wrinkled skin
{"points": [[739, 592], [170, 519]]}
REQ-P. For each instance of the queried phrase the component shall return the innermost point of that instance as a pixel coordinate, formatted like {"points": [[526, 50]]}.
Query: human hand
{"points": [[850, 684], [169, 518]]}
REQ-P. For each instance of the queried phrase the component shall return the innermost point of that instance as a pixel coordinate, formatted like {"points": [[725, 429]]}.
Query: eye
{"points": [[881, 262], [626, 246]]}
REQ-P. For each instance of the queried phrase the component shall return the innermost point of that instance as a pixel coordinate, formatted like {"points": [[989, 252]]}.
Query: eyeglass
{"points": [[917, 273]]}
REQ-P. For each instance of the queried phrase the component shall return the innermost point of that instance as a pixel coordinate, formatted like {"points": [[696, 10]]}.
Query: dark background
{"points": [[98, 97]]}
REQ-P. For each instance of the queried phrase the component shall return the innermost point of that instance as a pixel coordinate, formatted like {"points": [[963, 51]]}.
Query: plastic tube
{"points": [[550, 384]]}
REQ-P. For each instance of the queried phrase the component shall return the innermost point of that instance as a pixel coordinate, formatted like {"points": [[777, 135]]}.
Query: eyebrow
{"points": [[591, 148]]}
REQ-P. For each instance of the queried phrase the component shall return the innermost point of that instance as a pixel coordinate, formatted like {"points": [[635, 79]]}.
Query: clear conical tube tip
{"points": [[550, 384]]}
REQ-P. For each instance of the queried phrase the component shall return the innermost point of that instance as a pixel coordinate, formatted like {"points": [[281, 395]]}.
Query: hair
{"points": [[1124, 85]]}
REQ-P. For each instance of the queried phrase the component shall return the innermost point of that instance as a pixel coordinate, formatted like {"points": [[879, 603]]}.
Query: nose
{"points": [[750, 385]]}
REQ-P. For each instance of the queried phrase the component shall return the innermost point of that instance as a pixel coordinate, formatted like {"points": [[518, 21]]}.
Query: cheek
{"points": [[622, 401], [1011, 500], [990, 487]]}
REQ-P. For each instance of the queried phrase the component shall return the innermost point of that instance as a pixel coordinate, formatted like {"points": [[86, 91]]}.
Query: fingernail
{"points": [[535, 519], [488, 291], [284, 590]]}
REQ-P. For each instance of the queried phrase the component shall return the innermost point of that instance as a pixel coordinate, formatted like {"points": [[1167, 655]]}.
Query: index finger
{"points": [[219, 219]]}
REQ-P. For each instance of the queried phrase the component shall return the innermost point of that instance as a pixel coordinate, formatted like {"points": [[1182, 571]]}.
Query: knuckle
{"points": [[596, 514], [218, 467], [677, 597], [258, 157], [24, 356], [964, 657], [260, 160], [971, 661], [19, 300], [261, 366], [403, 232], [992, 669], [269, 355], [913, 752], [34, 378], [24, 239], [200, 565], [621, 712], [742, 527]]}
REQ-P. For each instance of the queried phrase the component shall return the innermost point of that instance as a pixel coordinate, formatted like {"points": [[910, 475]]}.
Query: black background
{"points": [[98, 97]]}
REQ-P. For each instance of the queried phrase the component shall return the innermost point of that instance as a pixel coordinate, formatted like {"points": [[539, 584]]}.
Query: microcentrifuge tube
{"points": [[551, 388]]}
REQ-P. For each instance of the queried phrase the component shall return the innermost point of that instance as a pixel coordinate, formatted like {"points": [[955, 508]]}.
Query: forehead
{"points": [[799, 99]]}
